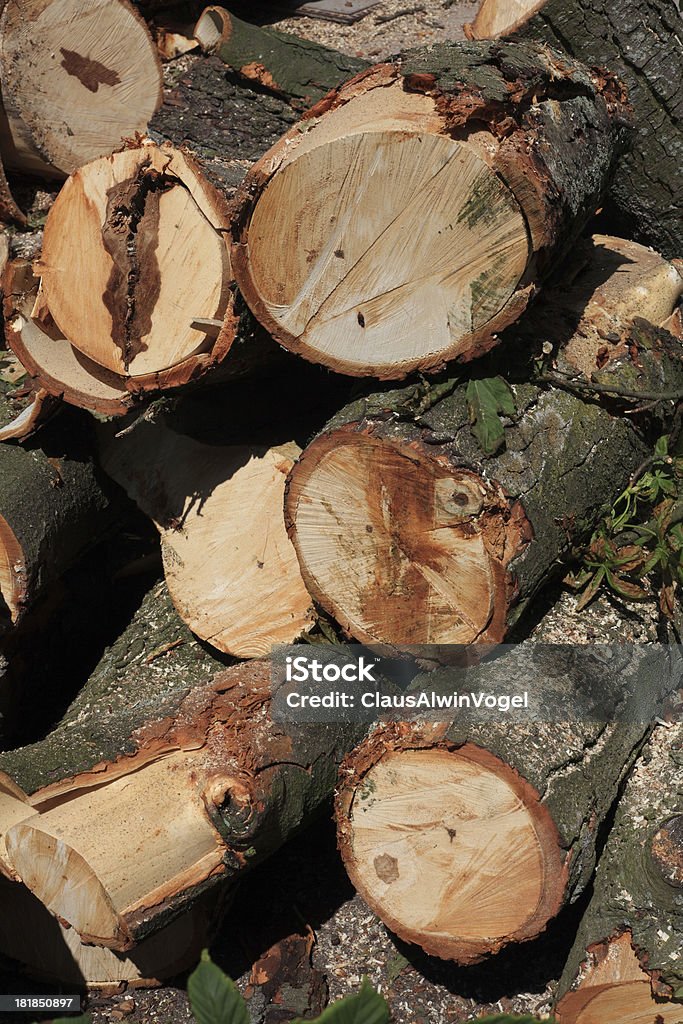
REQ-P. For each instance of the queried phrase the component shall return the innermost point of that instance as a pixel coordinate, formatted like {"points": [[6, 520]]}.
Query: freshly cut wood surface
{"points": [[76, 80], [406, 220], [48, 356], [132, 256], [167, 777], [119, 849], [230, 567], [14, 807], [406, 265], [436, 830], [468, 833], [385, 540], [626, 963], [496, 18], [409, 532], [45, 949]]}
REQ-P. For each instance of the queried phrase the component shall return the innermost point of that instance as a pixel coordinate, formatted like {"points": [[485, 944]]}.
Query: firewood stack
{"points": [[280, 287]]}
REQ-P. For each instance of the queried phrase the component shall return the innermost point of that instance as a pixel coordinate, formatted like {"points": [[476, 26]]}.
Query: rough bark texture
{"points": [[565, 460], [641, 43], [184, 698], [637, 890], [545, 125], [54, 505], [298, 69], [573, 758], [227, 125]]}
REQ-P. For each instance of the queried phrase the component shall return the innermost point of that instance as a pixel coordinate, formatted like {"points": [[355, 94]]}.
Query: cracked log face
{"points": [[76, 80], [133, 256], [427, 836], [399, 546], [406, 220], [402, 245]]}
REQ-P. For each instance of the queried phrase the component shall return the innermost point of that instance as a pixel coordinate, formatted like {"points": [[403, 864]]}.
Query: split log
{"points": [[54, 505], [123, 317], [409, 532], [230, 567], [409, 217], [642, 44], [166, 777], [464, 837], [43, 948], [627, 961], [288, 65], [76, 80]]}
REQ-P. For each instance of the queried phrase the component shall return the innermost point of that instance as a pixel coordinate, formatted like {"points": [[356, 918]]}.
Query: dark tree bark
{"points": [[642, 43], [627, 960]]}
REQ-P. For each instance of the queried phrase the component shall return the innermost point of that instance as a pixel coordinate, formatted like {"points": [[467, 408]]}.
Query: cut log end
{"points": [[453, 850], [616, 988], [102, 882], [12, 571], [496, 18], [351, 293], [627, 1002], [398, 546], [140, 233], [76, 80]]}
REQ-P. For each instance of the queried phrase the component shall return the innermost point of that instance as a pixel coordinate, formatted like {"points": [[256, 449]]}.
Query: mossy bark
{"points": [[299, 69], [640, 42], [637, 889]]}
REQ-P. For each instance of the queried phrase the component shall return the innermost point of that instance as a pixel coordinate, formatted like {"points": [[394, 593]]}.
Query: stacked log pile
{"points": [[282, 288]]}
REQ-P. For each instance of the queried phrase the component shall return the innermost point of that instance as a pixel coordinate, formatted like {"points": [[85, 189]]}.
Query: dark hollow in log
{"points": [[407, 219], [464, 837], [409, 532], [627, 960], [642, 44], [146, 303]]}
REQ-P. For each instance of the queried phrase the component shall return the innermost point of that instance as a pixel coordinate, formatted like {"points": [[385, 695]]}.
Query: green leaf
{"points": [[591, 590], [662, 446], [486, 399], [363, 1007], [214, 998]]}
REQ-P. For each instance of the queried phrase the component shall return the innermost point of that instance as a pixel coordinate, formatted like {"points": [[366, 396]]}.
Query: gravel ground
{"points": [[392, 26]]}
